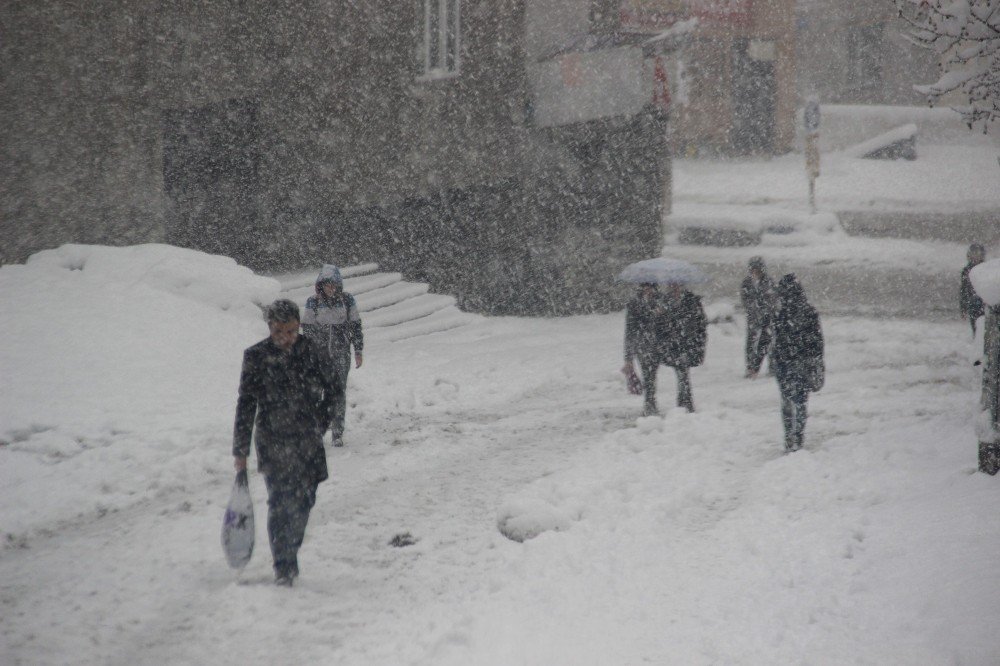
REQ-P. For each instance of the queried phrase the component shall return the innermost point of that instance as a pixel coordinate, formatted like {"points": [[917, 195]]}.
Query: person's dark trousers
{"points": [[341, 365], [794, 397], [648, 367], [288, 504], [757, 343], [684, 399]]}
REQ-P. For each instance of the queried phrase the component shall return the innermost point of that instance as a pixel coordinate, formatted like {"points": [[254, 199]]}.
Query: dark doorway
{"points": [[211, 173], [754, 91]]}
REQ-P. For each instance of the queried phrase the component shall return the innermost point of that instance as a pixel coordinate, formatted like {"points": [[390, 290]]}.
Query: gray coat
{"points": [[334, 325]]}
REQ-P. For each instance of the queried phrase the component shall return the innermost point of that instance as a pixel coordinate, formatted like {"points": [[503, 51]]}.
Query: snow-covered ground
{"points": [[954, 183], [943, 178], [681, 539]]}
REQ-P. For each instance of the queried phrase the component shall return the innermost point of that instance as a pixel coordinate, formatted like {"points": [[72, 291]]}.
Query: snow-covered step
{"points": [[361, 285], [391, 308], [445, 319], [359, 269], [372, 291], [408, 310], [300, 279], [391, 295], [299, 294]]}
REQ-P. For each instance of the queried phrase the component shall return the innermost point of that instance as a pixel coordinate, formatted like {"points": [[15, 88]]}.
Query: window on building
{"points": [[864, 52], [441, 37]]}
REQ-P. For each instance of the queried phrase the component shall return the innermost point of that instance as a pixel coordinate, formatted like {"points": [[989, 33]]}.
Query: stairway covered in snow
{"points": [[391, 308]]}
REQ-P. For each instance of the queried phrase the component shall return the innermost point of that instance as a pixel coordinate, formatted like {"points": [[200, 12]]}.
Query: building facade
{"points": [[857, 53], [286, 133], [736, 79]]}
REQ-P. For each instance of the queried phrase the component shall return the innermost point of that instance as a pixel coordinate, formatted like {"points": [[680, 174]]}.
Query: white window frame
{"points": [[442, 44]]}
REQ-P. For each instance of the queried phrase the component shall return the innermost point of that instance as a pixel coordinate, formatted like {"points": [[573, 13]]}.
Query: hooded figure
{"points": [[665, 328], [757, 297], [332, 323], [969, 303], [797, 357]]}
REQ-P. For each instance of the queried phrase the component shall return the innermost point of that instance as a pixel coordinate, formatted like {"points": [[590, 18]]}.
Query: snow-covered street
{"points": [[686, 538], [495, 237]]}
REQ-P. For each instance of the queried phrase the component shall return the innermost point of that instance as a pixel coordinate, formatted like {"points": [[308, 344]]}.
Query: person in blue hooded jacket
{"points": [[332, 322]]}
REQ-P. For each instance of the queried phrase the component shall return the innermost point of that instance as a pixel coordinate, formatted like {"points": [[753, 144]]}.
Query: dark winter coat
{"points": [[288, 398], [969, 303], [334, 325], [670, 333], [758, 301], [797, 353]]}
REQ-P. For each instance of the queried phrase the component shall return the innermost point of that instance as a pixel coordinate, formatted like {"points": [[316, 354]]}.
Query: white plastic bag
{"points": [[238, 525]]}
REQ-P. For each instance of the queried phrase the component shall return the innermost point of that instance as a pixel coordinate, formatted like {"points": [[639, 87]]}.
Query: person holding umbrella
{"points": [[665, 326]]}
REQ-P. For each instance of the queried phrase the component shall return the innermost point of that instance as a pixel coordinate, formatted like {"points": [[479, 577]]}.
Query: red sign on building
{"points": [[733, 11], [656, 15]]}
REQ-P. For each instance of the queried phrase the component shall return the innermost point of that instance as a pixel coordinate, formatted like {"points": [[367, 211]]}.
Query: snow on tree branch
{"points": [[966, 36]]}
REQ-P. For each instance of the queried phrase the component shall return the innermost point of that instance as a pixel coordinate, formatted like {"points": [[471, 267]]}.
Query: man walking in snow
{"points": [[757, 296], [797, 356], [969, 303], [286, 394], [666, 328], [333, 324]]}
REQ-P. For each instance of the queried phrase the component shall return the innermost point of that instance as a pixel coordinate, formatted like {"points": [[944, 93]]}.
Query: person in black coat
{"points": [[667, 328], [969, 303], [757, 297], [286, 394], [797, 356]]}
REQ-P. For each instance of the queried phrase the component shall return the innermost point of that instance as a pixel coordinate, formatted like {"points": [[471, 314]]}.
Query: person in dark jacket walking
{"points": [[797, 356], [332, 322], [286, 394], [667, 328], [969, 303], [757, 296]]}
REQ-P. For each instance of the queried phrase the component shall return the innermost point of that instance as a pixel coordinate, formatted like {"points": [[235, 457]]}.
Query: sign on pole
{"points": [[811, 119]]}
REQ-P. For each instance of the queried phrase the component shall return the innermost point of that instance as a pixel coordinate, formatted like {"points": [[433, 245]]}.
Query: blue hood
{"points": [[330, 273]]}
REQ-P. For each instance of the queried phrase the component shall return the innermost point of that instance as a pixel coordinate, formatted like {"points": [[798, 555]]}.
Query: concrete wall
{"points": [[77, 159]]}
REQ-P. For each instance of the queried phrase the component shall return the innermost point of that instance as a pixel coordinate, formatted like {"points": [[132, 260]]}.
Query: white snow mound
{"points": [[206, 278], [986, 281], [525, 518], [115, 356]]}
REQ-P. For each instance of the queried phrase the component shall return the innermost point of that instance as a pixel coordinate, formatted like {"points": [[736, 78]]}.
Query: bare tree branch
{"points": [[966, 36]]}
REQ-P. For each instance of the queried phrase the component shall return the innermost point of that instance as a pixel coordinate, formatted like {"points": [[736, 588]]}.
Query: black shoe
{"points": [[283, 580], [338, 440]]}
